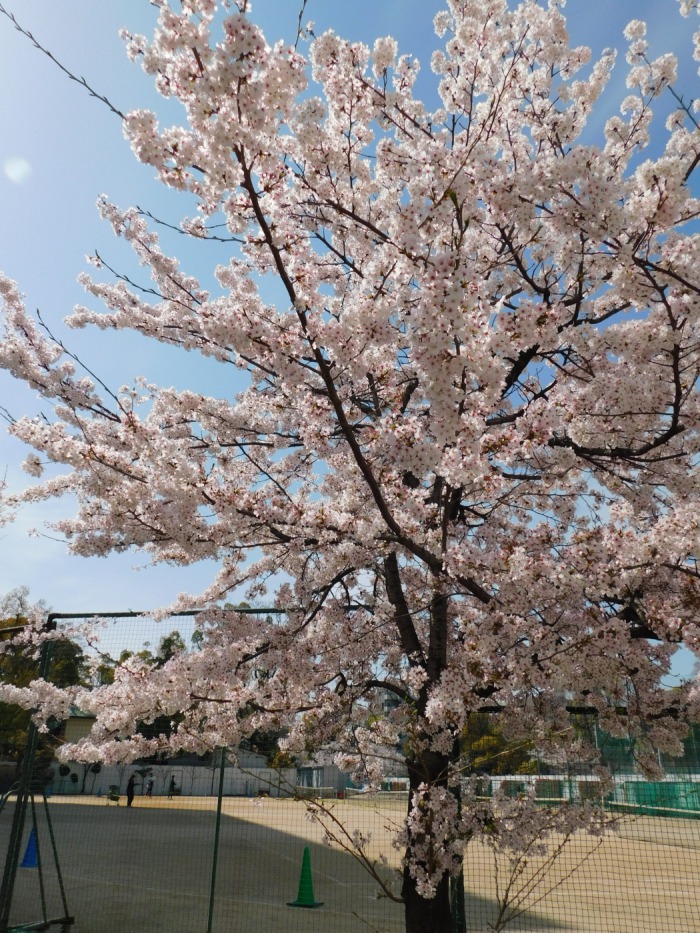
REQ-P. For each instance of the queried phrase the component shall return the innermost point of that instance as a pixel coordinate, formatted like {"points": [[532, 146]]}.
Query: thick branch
{"points": [[404, 622]]}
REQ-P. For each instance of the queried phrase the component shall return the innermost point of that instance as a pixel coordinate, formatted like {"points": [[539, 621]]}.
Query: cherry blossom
{"points": [[466, 462]]}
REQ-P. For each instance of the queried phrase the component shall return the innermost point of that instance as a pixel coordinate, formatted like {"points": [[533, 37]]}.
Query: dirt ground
{"points": [[150, 868]]}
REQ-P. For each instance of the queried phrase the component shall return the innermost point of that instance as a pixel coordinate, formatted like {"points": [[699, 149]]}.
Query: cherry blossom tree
{"points": [[466, 462]]}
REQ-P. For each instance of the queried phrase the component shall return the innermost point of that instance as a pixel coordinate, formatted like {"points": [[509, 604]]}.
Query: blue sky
{"points": [[61, 149]]}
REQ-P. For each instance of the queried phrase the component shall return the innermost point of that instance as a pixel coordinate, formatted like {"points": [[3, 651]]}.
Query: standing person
{"points": [[149, 787], [130, 789], [171, 789]]}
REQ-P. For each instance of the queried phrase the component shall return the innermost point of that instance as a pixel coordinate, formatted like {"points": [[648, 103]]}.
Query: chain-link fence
{"points": [[227, 842]]}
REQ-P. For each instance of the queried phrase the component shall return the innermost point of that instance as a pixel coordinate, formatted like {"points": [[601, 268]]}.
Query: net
{"points": [[150, 866], [312, 793], [383, 799]]}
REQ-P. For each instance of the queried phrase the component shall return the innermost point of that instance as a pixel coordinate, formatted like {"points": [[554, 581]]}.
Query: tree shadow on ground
{"points": [[150, 868]]}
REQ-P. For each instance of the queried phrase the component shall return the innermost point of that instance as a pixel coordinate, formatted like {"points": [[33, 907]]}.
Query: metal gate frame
{"points": [[24, 793]]}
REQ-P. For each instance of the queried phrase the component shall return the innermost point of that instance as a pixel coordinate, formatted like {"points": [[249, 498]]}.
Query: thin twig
{"points": [[79, 80], [300, 27], [76, 359], [6, 415], [209, 235]]}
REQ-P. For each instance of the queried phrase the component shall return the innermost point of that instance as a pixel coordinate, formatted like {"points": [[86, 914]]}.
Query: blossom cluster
{"points": [[466, 462]]}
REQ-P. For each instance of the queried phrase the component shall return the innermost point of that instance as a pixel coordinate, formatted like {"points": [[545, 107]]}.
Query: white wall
{"points": [[192, 780]]}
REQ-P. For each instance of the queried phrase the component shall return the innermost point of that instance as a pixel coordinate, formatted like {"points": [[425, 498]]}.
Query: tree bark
{"points": [[426, 915]]}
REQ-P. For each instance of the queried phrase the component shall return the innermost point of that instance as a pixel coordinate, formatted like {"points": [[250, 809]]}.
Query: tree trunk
{"points": [[426, 915]]}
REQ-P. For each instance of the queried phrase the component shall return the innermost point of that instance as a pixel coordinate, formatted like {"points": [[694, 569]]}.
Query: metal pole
{"points": [[215, 855], [134, 614], [54, 849], [13, 849], [456, 884], [39, 866]]}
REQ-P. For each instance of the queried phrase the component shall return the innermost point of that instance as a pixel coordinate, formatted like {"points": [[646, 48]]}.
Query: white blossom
{"points": [[465, 463]]}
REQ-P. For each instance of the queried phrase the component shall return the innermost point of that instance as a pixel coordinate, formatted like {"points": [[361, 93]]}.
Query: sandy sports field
{"points": [[150, 868]]}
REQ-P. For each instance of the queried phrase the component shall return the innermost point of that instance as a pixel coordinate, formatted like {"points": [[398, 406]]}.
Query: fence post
{"points": [[215, 855]]}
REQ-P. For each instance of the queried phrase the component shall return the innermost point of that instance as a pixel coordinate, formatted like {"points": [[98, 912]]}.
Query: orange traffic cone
{"points": [[305, 897]]}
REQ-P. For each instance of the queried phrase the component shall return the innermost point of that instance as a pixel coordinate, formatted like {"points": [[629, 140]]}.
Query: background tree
{"points": [[467, 459], [15, 669], [18, 668], [169, 647], [63, 772], [86, 769], [488, 751]]}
